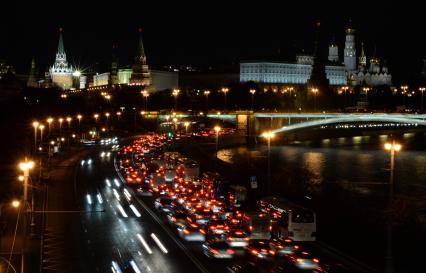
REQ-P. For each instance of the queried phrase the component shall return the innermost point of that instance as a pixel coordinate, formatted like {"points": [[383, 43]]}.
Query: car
{"points": [[237, 238], [217, 226], [177, 217], [164, 204], [192, 232], [304, 260], [260, 249], [283, 246], [217, 249]]}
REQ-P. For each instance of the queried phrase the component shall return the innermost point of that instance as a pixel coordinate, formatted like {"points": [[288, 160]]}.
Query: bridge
{"points": [[257, 122]]}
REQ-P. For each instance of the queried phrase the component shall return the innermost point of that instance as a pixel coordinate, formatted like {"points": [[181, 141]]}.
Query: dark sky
{"points": [[207, 32]]}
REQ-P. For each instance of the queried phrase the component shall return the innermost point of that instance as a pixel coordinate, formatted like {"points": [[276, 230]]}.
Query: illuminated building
{"points": [[140, 71], [61, 72]]}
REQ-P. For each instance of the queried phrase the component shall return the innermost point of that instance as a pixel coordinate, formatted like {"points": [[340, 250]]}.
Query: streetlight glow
{"points": [[26, 165], [15, 203]]}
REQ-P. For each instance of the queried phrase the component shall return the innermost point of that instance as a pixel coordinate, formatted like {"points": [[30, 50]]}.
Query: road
{"points": [[102, 234]]}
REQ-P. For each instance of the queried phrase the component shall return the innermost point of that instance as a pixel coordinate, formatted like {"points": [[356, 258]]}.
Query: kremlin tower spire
{"points": [[61, 72], [350, 51], [362, 58], [140, 70]]}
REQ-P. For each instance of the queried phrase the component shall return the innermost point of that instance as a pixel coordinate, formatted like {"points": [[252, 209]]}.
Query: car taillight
{"points": [[299, 260], [185, 231], [199, 216], [202, 231], [255, 252], [214, 251], [230, 251], [251, 228], [271, 252], [173, 219], [315, 260], [212, 227]]}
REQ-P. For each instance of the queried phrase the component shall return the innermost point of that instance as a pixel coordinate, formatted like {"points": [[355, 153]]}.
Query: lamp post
{"points": [[26, 167], [186, 124], [422, 89], [345, 89], [404, 91], [41, 134], [69, 122], [217, 130], [366, 90], [145, 94], [60, 126], [225, 90], [175, 94], [79, 117], [252, 92], [96, 116], [35, 125], [315, 91], [207, 93], [49, 121], [392, 147], [269, 135]]}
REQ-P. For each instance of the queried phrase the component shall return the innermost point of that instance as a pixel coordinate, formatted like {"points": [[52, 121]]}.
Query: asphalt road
{"points": [[103, 234]]}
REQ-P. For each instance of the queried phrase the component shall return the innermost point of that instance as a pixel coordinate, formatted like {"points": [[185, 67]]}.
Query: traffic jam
{"points": [[206, 208]]}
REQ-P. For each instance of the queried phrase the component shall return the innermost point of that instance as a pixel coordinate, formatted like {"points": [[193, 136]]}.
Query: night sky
{"points": [[207, 32]]}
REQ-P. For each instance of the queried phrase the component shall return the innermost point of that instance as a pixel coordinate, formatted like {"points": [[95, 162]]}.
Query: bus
{"points": [[290, 220]]}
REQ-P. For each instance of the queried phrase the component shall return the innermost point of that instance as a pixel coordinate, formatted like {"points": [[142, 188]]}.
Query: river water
{"points": [[346, 181]]}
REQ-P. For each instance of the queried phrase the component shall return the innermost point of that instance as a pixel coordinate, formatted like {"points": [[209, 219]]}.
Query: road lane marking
{"points": [[99, 198], [145, 245], [135, 211], [89, 199], [160, 245], [108, 183], [120, 208], [134, 266], [116, 182]]}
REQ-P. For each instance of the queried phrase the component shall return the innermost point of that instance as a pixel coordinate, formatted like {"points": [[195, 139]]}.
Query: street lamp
{"points": [[366, 89], [269, 135], [49, 121], [79, 117], [345, 89], [217, 130], [252, 92], [315, 91], [41, 134], [225, 90], [96, 116], [404, 91], [60, 125], [207, 93], [186, 123], [69, 122], [118, 115], [145, 94], [422, 89], [392, 147], [175, 94], [26, 167], [35, 125]]}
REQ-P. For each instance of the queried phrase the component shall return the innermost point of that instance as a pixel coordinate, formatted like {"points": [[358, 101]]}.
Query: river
{"points": [[346, 181]]}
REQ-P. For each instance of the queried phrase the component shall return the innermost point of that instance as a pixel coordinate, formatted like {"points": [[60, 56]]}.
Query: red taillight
{"points": [[230, 251], [255, 252], [315, 260], [271, 252], [299, 260], [214, 251], [202, 231], [185, 231]]}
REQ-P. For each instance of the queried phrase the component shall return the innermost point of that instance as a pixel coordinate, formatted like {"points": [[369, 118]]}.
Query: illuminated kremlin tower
{"points": [[350, 50], [60, 72], [140, 71]]}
